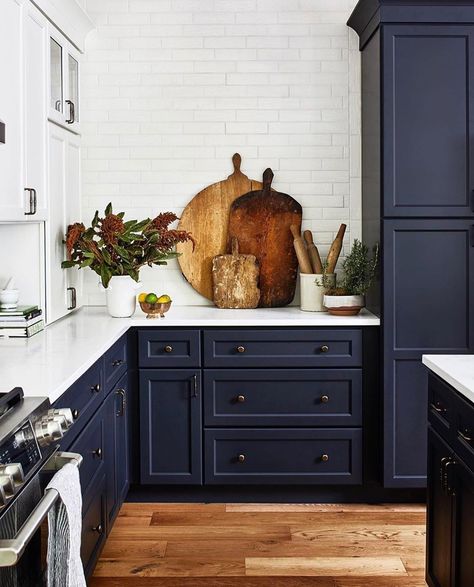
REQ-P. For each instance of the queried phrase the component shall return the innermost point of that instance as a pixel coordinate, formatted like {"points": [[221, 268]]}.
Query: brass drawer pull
{"points": [[97, 452], [97, 529], [168, 348], [241, 399], [438, 408], [75, 414], [324, 399], [241, 458], [324, 348], [466, 435], [324, 458], [96, 388], [241, 349]]}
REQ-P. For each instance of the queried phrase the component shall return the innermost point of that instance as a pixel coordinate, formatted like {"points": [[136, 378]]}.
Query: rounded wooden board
{"points": [[206, 217]]}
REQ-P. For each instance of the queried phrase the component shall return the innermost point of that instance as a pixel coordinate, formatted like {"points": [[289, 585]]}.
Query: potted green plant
{"points": [[347, 297], [116, 250]]}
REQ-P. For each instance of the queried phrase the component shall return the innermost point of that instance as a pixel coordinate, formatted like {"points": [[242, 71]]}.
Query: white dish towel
{"points": [[64, 538]]}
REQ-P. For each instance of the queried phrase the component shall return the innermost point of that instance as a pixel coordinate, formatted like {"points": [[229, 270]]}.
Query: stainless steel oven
{"points": [[29, 457]]}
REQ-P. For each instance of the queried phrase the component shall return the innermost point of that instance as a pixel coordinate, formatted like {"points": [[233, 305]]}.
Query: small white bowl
{"points": [[9, 298]]}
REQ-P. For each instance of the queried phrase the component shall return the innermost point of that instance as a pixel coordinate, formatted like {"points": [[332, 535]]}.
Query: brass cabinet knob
{"points": [[168, 348], [325, 458], [241, 349], [96, 388], [324, 399], [241, 399], [97, 452], [97, 529], [241, 458], [324, 348], [75, 414]]}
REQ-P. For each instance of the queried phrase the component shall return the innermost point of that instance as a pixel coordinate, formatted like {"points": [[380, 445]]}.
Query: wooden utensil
{"points": [[335, 249], [301, 252], [313, 252], [261, 221], [206, 217], [235, 279]]}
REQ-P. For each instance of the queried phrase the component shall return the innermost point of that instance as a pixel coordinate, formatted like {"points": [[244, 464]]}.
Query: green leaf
{"points": [[105, 275], [95, 220], [108, 210], [68, 264], [86, 263]]}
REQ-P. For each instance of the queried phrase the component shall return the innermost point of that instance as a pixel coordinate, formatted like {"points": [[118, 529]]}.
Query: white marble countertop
{"points": [[457, 370], [51, 361]]}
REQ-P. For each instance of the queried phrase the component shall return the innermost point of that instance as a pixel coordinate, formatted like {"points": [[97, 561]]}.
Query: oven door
{"points": [[24, 528]]}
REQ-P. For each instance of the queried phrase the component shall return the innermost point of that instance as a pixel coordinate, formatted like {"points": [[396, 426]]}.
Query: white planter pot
{"points": [[344, 305], [312, 291], [121, 296]]}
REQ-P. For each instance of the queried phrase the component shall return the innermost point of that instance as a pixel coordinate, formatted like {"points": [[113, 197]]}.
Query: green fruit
{"points": [[151, 298]]}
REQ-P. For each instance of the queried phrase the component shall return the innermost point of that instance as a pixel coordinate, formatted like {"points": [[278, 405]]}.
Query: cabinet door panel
{"points": [[439, 517], [427, 82], [428, 308], [464, 544], [170, 420]]}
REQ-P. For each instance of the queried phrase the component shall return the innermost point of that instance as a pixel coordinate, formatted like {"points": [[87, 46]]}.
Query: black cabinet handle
{"points": [[75, 414], [32, 202], [241, 349], [450, 488], [72, 112], [241, 458], [117, 363], [121, 412], [324, 399], [97, 452], [438, 408], [168, 348], [324, 348], [96, 388], [324, 458], [195, 386], [97, 529], [466, 435], [73, 298]]}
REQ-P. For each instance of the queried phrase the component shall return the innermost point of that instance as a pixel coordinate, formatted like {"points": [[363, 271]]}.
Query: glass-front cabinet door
{"points": [[63, 82]]}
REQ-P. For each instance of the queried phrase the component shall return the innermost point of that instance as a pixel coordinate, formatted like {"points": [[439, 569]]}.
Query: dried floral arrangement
{"points": [[359, 271], [112, 247]]}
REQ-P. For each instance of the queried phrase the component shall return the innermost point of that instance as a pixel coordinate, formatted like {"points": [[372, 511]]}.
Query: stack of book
{"points": [[22, 322]]}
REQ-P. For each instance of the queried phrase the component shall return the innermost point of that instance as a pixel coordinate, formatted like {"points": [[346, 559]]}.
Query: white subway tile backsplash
{"points": [[172, 88]]}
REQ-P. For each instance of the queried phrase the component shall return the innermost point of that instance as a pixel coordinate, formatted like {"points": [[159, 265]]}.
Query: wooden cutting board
{"points": [[206, 217], [261, 221], [235, 279]]}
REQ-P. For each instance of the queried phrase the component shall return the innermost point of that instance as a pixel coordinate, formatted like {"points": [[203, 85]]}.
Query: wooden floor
{"points": [[218, 545]]}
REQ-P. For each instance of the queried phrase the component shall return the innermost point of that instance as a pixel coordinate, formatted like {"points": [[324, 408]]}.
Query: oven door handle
{"points": [[12, 550]]}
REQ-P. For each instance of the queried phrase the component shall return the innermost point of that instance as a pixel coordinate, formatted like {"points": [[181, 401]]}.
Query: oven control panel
{"points": [[22, 448]]}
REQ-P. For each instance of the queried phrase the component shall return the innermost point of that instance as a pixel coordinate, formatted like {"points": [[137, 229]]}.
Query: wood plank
{"points": [[148, 509], [324, 507], [360, 531], [202, 532], [224, 582], [125, 549], [168, 567], [325, 566], [379, 582]]}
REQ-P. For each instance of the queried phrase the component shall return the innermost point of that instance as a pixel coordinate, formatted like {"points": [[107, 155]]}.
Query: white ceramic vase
{"points": [[344, 305], [121, 296], [312, 291]]}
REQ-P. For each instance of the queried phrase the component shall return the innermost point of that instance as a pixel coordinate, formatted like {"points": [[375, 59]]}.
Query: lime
{"points": [[164, 299], [142, 297], [151, 298]]}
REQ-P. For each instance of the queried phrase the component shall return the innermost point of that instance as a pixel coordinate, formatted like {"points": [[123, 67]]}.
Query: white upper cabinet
{"points": [[23, 42], [64, 98]]}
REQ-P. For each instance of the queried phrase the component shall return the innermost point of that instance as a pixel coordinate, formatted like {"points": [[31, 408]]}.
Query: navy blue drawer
{"points": [[115, 363], [277, 397], [286, 456], [90, 444], [282, 348], [169, 348], [463, 429], [84, 398], [93, 525]]}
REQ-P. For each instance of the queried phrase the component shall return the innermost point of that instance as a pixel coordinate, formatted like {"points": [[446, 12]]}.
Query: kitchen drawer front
{"points": [[90, 444], [115, 363], [84, 398], [277, 397], [282, 348], [93, 525], [169, 348], [284, 456], [463, 429], [441, 410]]}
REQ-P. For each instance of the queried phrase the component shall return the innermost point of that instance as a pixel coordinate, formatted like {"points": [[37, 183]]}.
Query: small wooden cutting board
{"points": [[235, 280], [206, 217], [261, 220]]}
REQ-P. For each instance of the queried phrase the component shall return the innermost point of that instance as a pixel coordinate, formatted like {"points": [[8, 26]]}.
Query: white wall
{"points": [[172, 88]]}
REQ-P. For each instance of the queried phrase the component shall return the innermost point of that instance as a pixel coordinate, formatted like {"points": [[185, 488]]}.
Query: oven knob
{"points": [[63, 412], [3, 497], [8, 486], [61, 420], [47, 431], [15, 471]]}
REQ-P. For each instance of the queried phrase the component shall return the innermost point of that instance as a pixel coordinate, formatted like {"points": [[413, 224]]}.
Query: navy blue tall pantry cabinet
{"points": [[418, 202]]}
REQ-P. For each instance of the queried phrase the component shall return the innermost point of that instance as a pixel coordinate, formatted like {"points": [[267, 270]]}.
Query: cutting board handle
{"points": [[267, 180], [237, 161], [235, 245]]}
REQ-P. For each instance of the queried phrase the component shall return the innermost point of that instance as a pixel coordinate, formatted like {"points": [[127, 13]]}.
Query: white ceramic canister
{"points": [[121, 296], [312, 291]]}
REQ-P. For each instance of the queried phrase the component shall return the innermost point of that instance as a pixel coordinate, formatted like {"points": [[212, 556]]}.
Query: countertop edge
{"points": [[430, 361]]}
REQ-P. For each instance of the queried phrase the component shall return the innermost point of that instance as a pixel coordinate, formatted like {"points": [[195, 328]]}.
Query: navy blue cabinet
{"points": [[450, 511], [418, 182], [170, 426]]}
